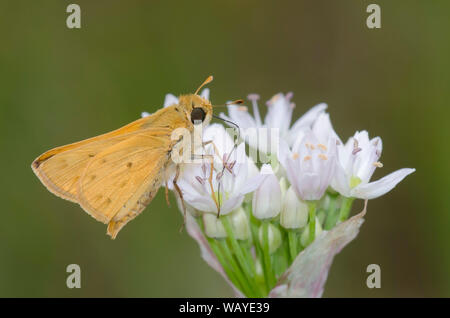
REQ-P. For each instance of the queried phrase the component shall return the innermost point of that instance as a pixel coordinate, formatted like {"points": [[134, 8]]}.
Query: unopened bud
{"points": [[304, 239], [294, 212], [267, 198], [241, 226], [213, 226], [274, 237]]}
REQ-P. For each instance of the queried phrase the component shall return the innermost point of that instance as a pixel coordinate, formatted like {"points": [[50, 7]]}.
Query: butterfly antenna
{"points": [[219, 196], [207, 81]]}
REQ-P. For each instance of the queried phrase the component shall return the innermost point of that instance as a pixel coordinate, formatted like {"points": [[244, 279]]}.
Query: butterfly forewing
{"points": [[116, 179]]}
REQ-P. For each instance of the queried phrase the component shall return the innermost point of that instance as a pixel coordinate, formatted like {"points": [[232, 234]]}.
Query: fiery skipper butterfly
{"points": [[114, 176]]}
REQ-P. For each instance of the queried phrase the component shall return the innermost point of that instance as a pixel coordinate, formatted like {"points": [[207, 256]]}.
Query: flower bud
{"points": [[241, 226], [252, 172], [294, 212], [213, 226], [304, 239], [283, 186], [274, 237], [259, 277], [267, 198]]}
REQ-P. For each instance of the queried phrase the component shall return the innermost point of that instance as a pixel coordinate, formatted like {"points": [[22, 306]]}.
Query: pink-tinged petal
{"points": [[207, 254], [377, 188], [170, 100], [308, 273]]}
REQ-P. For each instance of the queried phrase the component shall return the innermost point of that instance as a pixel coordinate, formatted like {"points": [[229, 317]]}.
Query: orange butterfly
{"points": [[114, 176]]}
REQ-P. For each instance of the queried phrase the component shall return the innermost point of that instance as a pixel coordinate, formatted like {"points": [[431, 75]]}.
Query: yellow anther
{"points": [[378, 164], [243, 108], [310, 146], [307, 158], [295, 156], [322, 156], [322, 146]]}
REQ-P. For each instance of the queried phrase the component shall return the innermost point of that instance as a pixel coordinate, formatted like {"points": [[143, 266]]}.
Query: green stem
{"points": [[292, 236], [238, 251], [332, 215], [259, 251], [346, 206], [226, 267], [241, 278], [270, 276], [312, 221]]}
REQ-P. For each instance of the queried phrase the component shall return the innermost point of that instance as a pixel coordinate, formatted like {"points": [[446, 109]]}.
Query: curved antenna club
{"points": [[207, 81]]}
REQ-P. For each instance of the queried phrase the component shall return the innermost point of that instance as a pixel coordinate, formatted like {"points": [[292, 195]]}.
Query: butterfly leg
{"points": [[167, 188], [178, 190]]}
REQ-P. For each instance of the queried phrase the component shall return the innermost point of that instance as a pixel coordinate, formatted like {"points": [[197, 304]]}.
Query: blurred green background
{"points": [[60, 85]]}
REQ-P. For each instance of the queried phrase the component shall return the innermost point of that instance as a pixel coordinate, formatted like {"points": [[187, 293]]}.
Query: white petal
{"points": [[340, 181], [145, 114], [205, 93], [231, 204], [305, 121], [323, 129], [279, 113], [170, 100], [252, 184], [377, 188], [240, 116]]}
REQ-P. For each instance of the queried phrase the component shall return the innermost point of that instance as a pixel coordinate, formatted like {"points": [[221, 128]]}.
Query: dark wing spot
{"points": [[93, 177], [91, 155], [36, 163], [108, 200], [129, 164]]}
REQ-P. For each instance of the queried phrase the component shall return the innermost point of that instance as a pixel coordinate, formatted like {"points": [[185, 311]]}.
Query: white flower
{"points": [[229, 185], [310, 165], [171, 99], [357, 161], [276, 122], [267, 197]]}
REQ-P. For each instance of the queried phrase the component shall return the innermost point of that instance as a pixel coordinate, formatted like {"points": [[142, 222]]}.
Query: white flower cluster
{"points": [[271, 212]]}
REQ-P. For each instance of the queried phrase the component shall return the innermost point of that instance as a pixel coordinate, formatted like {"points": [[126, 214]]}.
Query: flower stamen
{"points": [[322, 147], [378, 164], [200, 180], [322, 156]]}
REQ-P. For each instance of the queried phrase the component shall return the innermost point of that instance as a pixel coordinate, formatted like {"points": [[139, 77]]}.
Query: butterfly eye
{"points": [[197, 114]]}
